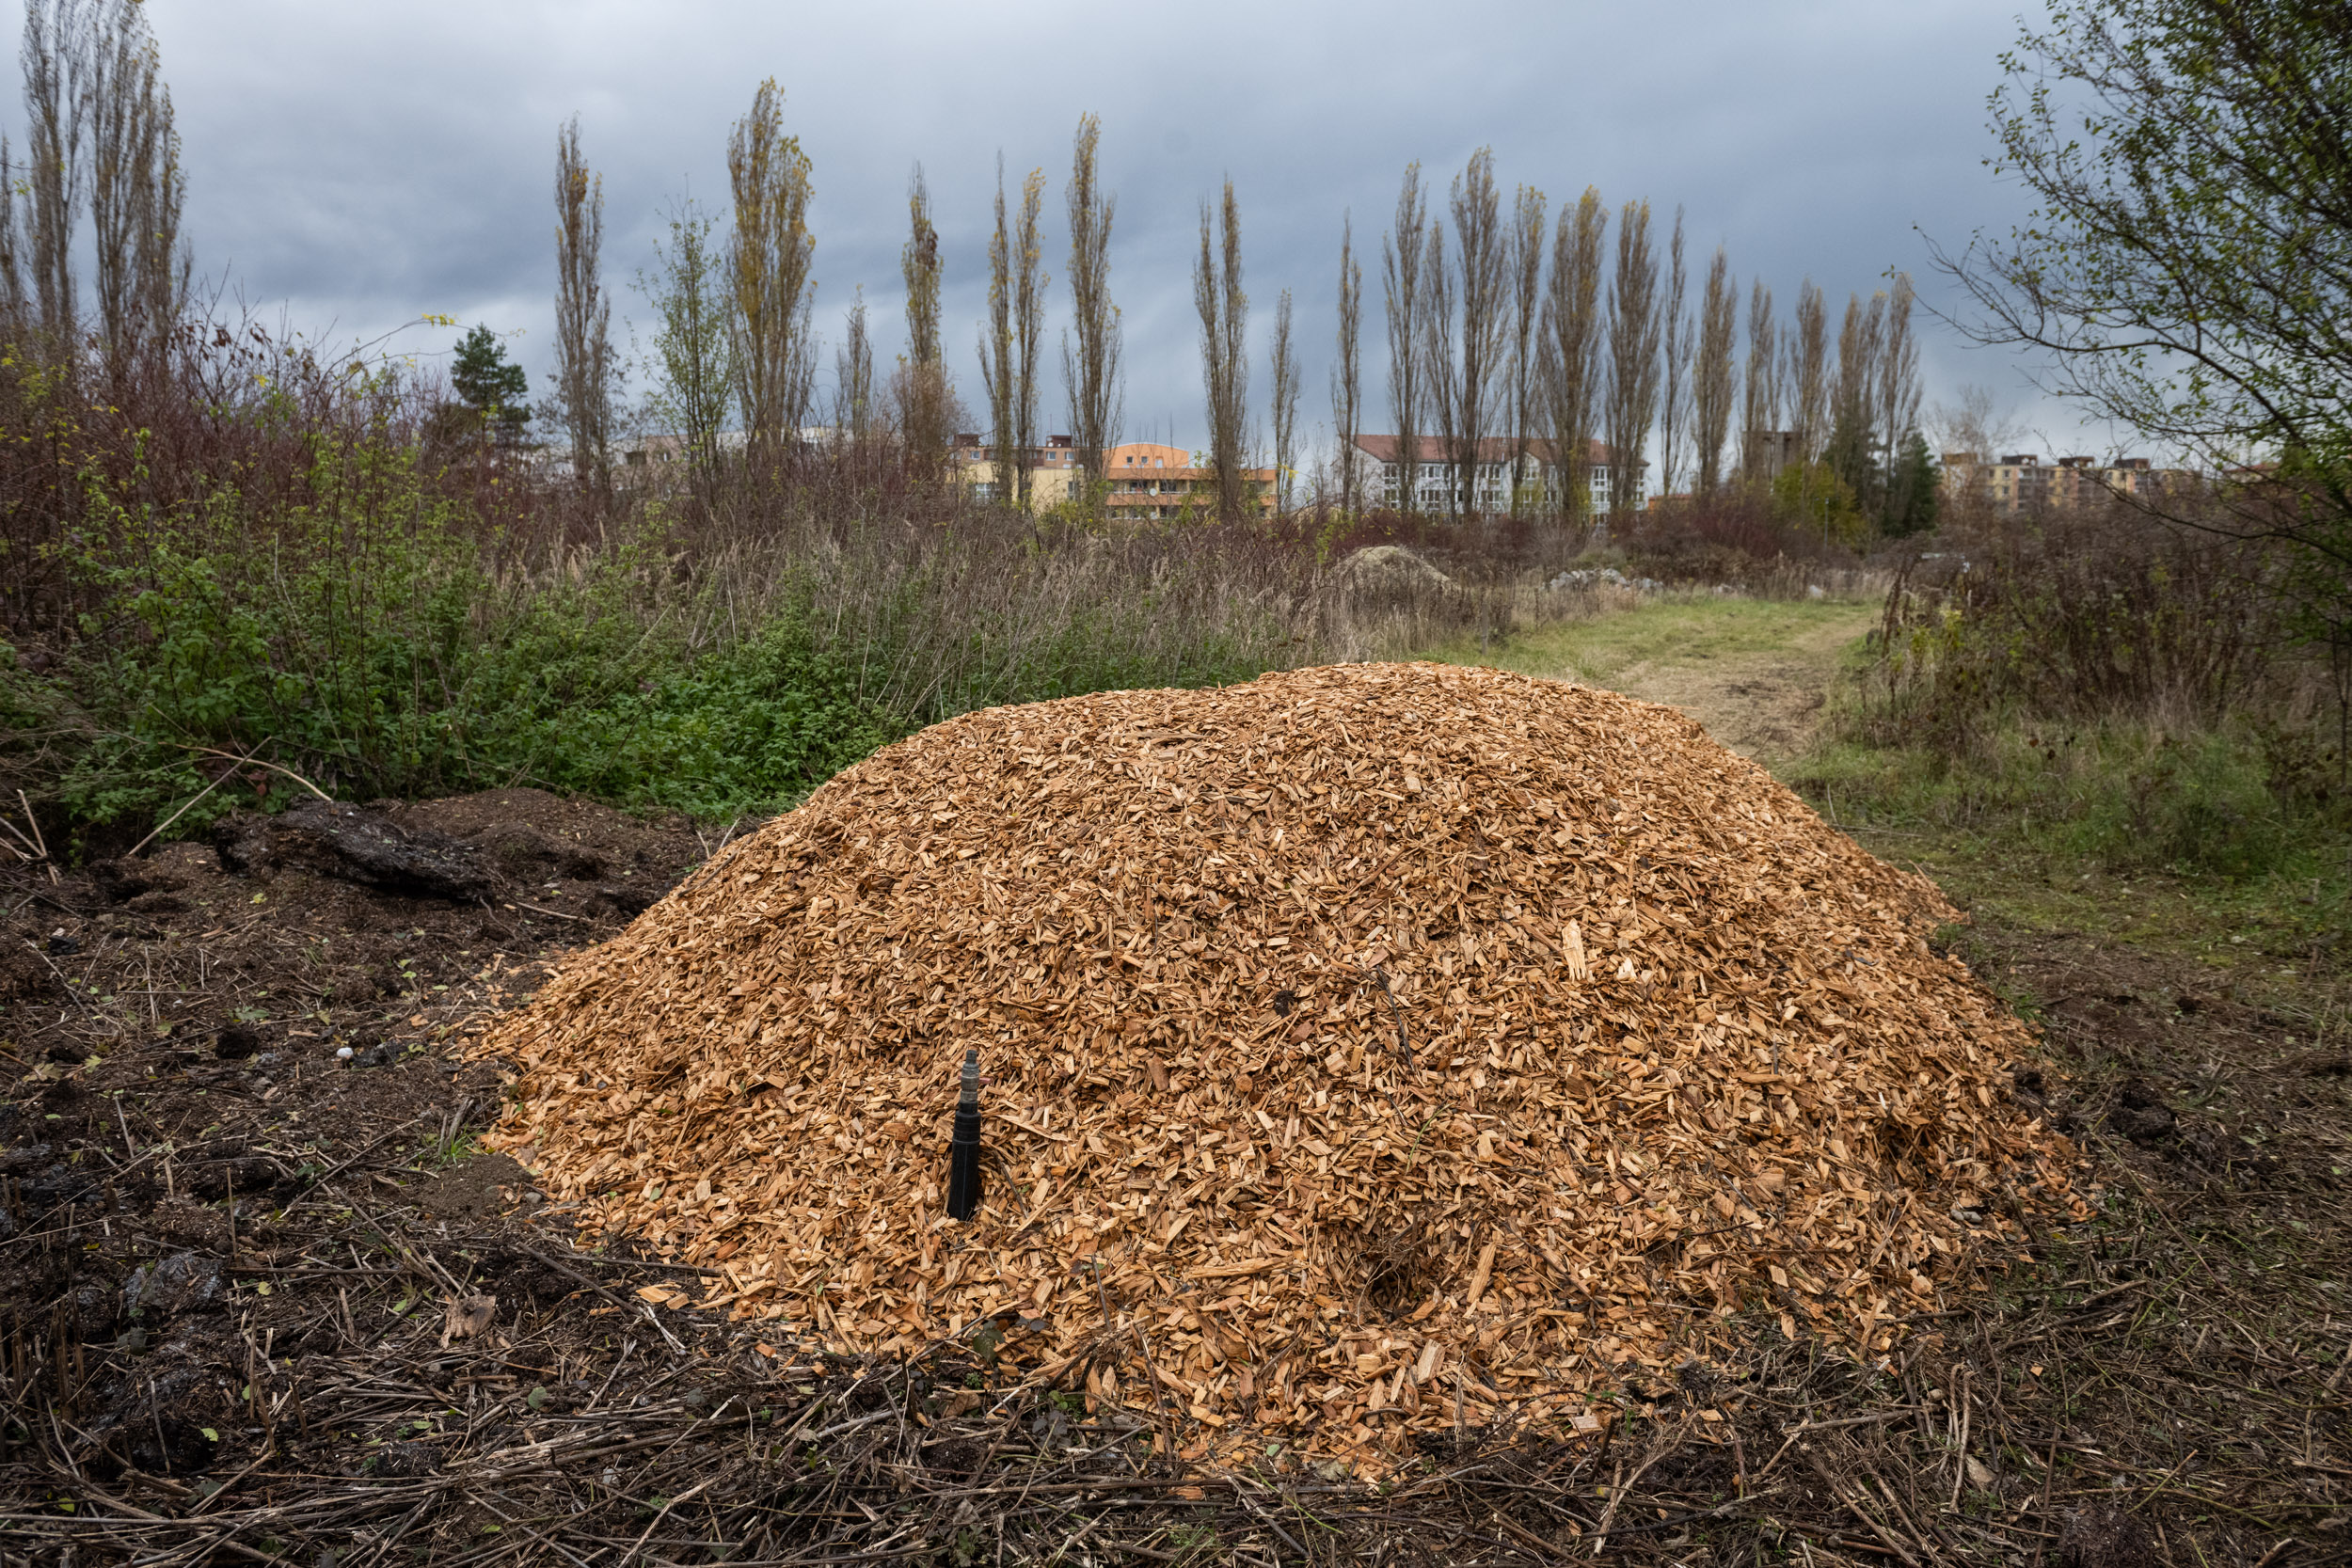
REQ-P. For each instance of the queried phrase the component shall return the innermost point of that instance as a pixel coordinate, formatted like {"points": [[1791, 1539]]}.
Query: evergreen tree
{"points": [[1913, 487], [491, 384], [1853, 455]]}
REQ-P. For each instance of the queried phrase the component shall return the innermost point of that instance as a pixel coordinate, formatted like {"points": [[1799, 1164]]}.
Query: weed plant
{"points": [[2097, 687]]}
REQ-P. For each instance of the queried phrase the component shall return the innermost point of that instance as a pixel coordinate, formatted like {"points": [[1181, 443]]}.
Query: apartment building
{"points": [[1146, 479], [1378, 477], [1149, 480], [2021, 483], [1054, 470]]}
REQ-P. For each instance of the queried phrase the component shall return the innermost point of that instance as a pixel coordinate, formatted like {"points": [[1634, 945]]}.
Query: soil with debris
{"points": [[1398, 1046], [242, 1309]]}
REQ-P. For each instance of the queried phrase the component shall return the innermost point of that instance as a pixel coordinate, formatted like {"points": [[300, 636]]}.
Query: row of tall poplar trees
{"points": [[732, 334], [101, 142], [1539, 331], [1503, 331], [1507, 334], [731, 330]]}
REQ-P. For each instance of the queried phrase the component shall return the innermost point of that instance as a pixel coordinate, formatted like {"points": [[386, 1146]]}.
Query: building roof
{"points": [[1142, 454], [1491, 449]]}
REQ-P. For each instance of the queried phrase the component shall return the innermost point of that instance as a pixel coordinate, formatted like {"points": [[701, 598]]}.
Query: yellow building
{"points": [[2022, 484], [1054, 471]]}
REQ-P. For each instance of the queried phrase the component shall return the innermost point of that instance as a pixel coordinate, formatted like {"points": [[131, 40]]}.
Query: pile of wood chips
{"points": [[1385, 1047]]}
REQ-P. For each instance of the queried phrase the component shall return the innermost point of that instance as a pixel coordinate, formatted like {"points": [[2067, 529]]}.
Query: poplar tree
{"points": [[1760, 402], [1028, 325], [1091, 373], [1674, 353], [997, 351], [1909, 475], [1401, 274], [1807, 355], [54, 55], [922, 389], [1527, 276], [585, 366], [1711, 376], [1441, 409], [1487, 294], [1224, 312], [853, 378], [1632, 354], [102, 136], [769, 265], [1346, 384], [135, 177], [1571, 351], [1854, 406], [1285, 404]]}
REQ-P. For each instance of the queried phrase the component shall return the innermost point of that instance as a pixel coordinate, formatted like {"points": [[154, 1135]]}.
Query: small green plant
{"points": [[1191, 1543], [450, 1147]]}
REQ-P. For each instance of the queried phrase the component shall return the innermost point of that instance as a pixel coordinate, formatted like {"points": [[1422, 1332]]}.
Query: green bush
{"points": [[2203, 805], [2124, 796], [2099, 685], [380, 637], [749, 727]]}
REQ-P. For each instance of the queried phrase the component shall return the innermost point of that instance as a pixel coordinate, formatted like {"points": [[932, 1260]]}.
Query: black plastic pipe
{"points": [[963, 1150]]}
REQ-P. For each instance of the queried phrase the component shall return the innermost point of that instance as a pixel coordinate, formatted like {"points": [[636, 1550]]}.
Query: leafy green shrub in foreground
{"points": [[367, 642], [383, 638]]}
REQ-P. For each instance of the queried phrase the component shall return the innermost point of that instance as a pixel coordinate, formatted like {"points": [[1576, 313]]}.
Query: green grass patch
{"points": [[1671, 629], [2225, 846], [2123, 831]]}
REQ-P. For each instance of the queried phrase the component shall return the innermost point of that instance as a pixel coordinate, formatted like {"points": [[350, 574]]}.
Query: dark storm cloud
{"points": [[362, 165]]}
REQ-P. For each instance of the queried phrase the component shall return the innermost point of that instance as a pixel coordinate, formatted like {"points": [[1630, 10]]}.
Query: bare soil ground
{"points": [[257, 1304]]}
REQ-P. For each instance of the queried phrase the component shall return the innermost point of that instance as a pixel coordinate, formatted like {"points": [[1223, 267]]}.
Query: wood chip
{"points": [[466, 1317], [1313, 1012]]}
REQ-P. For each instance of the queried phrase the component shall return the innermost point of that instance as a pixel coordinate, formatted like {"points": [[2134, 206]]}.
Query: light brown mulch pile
{"points": [[1385, 1046]]}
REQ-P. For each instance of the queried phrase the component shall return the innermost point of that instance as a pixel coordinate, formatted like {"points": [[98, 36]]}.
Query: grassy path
{"points": [[1756, 672]]}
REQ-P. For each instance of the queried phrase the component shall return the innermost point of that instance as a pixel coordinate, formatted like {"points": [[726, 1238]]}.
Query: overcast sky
{"points": [[361, 164]]}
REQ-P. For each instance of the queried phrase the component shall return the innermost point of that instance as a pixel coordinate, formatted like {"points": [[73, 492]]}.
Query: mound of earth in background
{"points": [[1385, 1046]]}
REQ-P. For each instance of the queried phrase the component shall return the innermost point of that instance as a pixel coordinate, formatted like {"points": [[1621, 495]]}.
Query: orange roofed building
{"points": [[1150, 480], [1146, 479]]}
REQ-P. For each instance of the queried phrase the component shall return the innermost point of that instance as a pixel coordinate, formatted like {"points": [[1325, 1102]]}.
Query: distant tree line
{"points": [[1500, 324], [1527, 333], [1501, 321]]}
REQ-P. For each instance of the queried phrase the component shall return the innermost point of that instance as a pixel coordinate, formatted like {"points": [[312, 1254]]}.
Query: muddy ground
{"points": [[260, 1302]]}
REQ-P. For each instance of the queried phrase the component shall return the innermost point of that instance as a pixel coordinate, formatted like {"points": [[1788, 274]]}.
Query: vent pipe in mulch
{"points": [[964, 1149]]}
